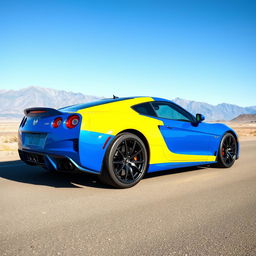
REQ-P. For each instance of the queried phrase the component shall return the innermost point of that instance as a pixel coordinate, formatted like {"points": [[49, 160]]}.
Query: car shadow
{"points": [[20, 172], [175, 171]]}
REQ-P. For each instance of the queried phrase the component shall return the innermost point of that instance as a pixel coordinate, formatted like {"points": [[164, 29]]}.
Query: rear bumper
{"points": [[52, 161]]}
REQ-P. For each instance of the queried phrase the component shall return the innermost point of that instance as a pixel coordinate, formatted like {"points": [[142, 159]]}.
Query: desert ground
{"points": [[9, 128], [8, 139]]}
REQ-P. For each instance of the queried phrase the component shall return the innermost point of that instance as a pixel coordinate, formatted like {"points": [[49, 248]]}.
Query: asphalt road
{"points": [[194, 211]]}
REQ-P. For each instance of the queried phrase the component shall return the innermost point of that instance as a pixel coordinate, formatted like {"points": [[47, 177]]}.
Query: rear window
{"points": [[144, 109]]}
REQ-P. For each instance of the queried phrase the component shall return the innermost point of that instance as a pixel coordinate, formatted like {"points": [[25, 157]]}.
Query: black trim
{"points": [[48, 112], [32, 157], [40, 159], [146, 105], [175, 106]]}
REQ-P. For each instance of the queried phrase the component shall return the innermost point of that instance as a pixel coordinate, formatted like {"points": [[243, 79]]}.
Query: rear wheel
{"points": [[125, 161], [227, 151]]}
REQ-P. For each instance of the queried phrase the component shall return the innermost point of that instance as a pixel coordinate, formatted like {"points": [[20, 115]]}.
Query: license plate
{"points": [[34, 139]]}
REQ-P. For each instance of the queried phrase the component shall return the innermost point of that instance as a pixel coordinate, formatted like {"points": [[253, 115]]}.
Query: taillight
{"points": [[57, 122], [72, 121]]}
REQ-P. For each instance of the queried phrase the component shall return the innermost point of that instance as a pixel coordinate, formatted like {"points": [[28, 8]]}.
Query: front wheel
{"points": [[227, 151], [125, 161]]}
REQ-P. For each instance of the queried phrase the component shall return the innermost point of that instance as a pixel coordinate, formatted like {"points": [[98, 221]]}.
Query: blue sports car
{"points": [[120, 139]]}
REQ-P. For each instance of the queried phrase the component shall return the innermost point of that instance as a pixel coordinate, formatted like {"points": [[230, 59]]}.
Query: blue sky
{"points": [[198, 50]]}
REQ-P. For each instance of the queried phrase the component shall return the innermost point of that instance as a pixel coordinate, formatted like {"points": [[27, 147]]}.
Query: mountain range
{"points": [[245, 118], [13, 102]]}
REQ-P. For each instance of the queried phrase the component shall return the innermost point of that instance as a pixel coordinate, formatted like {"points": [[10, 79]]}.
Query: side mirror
{"points": [[199, 118]]}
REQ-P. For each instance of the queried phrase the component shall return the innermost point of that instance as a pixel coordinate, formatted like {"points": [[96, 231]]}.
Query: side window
{"points": [[144, 109], [170, 111]]}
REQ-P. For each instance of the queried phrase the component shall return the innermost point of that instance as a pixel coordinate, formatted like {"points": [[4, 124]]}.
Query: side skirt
{"points": [[168, 166]]}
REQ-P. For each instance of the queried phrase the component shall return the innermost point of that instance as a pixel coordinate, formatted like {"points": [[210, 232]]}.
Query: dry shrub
{"points": [[11, 139]]}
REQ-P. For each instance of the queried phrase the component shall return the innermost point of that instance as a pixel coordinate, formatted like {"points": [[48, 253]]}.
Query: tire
{"points": [[125, 161], [227, 151]]}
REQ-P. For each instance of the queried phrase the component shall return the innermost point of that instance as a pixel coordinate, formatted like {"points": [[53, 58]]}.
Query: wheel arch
{"points": [[233, 133], [142, 137], [105, 176]]}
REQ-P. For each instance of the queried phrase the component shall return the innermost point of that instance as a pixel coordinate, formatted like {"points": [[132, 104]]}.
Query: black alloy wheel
{"points": [[126, 161], [227, 151]]}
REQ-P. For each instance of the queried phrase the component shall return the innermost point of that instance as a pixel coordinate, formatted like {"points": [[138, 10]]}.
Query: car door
{"points": [[181, 132]]}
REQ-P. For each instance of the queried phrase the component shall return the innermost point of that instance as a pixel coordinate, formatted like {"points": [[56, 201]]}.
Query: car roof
{"points": [[104, 101]]}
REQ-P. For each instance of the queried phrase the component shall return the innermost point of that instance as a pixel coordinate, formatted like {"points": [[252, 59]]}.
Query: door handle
{"points": [[169, 127]]}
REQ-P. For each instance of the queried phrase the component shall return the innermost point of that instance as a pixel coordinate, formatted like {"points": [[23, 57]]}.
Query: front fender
{"points": [[221, 129]]}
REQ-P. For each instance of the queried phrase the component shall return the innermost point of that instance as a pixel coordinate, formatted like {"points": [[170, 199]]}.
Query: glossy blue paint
{"points": [[61, 142], [168, 166], [161, 99], [58, 141], [188, 138], [81, 168], [193, 138], [91, 149], [180, 137]]}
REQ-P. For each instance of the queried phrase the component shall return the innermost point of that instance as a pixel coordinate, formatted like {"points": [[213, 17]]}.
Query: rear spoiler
{"points": [[40, 111]]}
